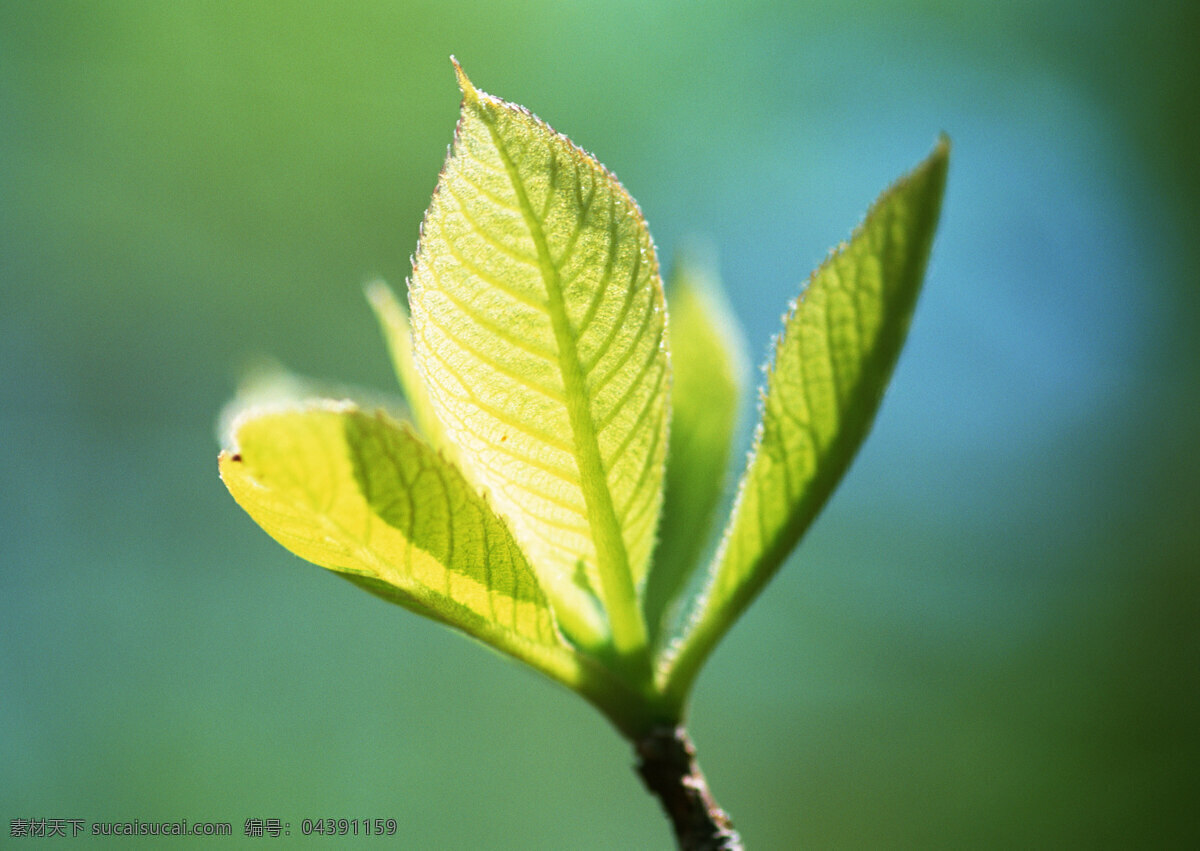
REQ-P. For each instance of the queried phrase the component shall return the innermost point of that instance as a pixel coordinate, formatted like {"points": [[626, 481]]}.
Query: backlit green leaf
{"points": [[831, 366], [367, 498], [538, 322], [708, 365], [397, 330]]}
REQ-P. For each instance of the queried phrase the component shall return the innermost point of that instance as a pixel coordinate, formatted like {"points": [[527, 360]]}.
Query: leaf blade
{"points": [[831, 366], [369, 500], [708, 361], [562, 417]]}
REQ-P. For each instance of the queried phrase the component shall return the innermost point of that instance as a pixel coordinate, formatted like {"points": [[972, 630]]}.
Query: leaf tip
{"points": [[376, 290], [383, 299], [225, 461], [464, 82], [939, 158]]}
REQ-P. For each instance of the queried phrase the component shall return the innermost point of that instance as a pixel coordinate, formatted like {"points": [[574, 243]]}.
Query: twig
{"points": [[667, 764]]}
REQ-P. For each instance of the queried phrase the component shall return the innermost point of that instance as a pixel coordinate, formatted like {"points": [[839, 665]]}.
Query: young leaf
{"points": [[831, 366], [393, 320], [369, 500], [538, 322], [708, 365]]}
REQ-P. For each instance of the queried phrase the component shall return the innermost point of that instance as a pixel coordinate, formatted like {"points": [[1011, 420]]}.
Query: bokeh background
{"points": [[991, 638]]}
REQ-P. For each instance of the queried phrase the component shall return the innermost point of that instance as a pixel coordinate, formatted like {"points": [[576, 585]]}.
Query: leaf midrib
{"points": [[616, 578]]}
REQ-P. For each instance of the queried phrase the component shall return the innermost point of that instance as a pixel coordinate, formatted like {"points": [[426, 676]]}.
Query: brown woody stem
{"points": [[667, 764]]}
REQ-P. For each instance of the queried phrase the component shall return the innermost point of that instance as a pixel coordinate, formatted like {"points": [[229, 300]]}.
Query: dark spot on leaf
{"points": [[237, 456]]}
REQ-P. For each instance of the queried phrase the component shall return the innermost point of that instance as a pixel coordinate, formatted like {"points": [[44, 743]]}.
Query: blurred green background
{"points": [[991, 638]]}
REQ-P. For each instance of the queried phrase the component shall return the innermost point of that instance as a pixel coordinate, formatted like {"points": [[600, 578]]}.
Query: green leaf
{"points": [[831, 366], [538, 324], [708, 364], [367, 498], [397, 331]]}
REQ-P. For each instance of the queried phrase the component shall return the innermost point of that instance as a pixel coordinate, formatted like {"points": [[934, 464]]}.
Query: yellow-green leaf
{"points": [[538, 322], [397, 331], [831, 365], [367, 498], [708, 366]]}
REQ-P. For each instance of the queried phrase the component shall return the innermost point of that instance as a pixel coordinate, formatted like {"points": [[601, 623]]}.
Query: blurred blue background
{"points": [[991, 638]]}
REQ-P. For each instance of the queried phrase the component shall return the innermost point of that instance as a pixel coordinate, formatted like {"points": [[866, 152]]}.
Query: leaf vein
{"points": [[605, 277], [469, 396], [635, 380], [636, 426], [619, 364], [619, 321], [492, 280], [498, 329], [512, 373], [578, 229]]}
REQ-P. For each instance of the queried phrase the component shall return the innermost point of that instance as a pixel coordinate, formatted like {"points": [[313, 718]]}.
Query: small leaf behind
{"points": [[397, 331], [708, 363], [367, 498], [831, 366]]}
